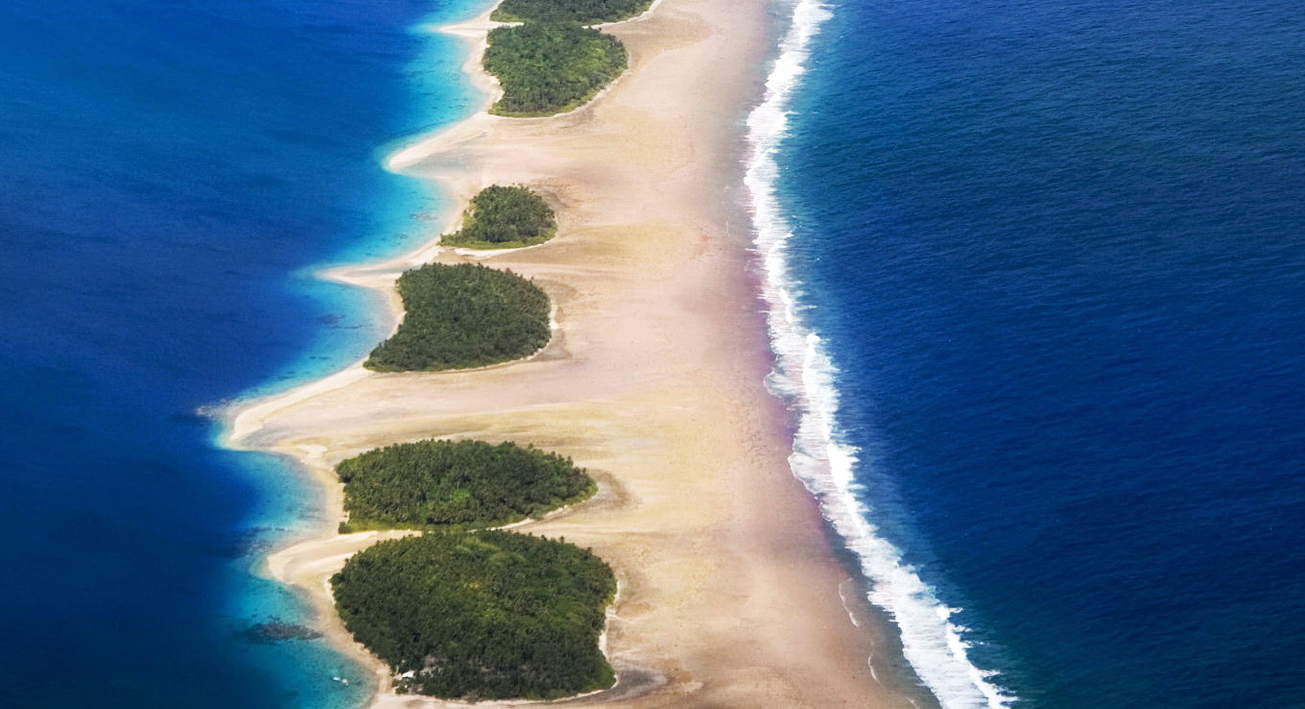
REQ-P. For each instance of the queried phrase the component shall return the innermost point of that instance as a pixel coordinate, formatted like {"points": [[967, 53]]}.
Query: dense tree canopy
{"points": [[549, 67], [456, 484], [504, 217], [480, 615], [587, 12], [464, 316]]}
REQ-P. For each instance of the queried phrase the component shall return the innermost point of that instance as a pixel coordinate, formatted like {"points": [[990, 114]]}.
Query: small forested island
{"points": [[456, 484], [504, 218], [480, 615], [586, 12], [547, 68], [463, 316]]}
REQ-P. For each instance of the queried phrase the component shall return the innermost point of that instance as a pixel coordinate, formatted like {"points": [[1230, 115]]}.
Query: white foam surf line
{"points": [[804, 376]]}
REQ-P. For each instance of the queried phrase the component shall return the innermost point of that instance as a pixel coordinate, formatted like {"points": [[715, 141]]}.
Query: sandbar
{"points": [[731, 594]]}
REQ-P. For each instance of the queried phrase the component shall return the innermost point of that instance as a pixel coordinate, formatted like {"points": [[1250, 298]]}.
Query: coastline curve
{"points": [[804, 376], [729, 591]]}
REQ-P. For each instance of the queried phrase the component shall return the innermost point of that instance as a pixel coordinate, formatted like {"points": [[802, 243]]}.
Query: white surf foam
{"points": [[934, 645]]}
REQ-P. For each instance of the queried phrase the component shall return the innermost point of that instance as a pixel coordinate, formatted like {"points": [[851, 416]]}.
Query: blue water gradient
{"points": [[1055, 252], [172, 173]]}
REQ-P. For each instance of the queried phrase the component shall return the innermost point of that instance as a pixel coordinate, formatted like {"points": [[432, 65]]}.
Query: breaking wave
{"points": [[806, 378]]}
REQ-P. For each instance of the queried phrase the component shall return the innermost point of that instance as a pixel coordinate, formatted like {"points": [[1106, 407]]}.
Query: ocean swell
{"points": [[805, 377]]}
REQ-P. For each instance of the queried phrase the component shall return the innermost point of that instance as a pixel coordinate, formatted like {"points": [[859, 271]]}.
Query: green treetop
{"points": [[586, 12], [504, 217], [433, 484], [547, 68], [464, 316], [480, 615]]}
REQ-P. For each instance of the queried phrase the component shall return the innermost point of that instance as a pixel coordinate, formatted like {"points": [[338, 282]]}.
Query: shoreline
{"points": [[730, 591]]}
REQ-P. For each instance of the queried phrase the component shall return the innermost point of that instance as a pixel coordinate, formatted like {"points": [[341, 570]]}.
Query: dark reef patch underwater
{"points": [[1054, 254], [172, 173]]}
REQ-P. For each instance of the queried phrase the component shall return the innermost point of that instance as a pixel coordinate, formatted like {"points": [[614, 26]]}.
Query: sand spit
{"points": [[730, 593]]}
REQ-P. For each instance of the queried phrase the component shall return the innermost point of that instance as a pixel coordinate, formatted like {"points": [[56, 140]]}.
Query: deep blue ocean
{"points": [[1052, 256], [172, 173]]}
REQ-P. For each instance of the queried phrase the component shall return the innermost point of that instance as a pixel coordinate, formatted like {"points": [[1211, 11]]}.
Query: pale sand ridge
{"points": [[730, 595]]}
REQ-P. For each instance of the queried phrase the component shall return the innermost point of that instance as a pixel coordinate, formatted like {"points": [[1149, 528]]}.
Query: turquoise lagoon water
{"points": [[173, 174]]}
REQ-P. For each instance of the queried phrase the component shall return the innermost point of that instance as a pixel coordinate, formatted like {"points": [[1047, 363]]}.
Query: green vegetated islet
{"points": [[481, 615], [550, 67], [462, 484], [586, 12], [490, 614], [504, 217], [464, 316]]}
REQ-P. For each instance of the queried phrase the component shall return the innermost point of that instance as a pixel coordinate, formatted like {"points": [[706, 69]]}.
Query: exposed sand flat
{"points": [[730, 595]]}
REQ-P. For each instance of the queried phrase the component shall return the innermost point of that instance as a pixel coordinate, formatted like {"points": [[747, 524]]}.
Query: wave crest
{"points": [[806, 378]]}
